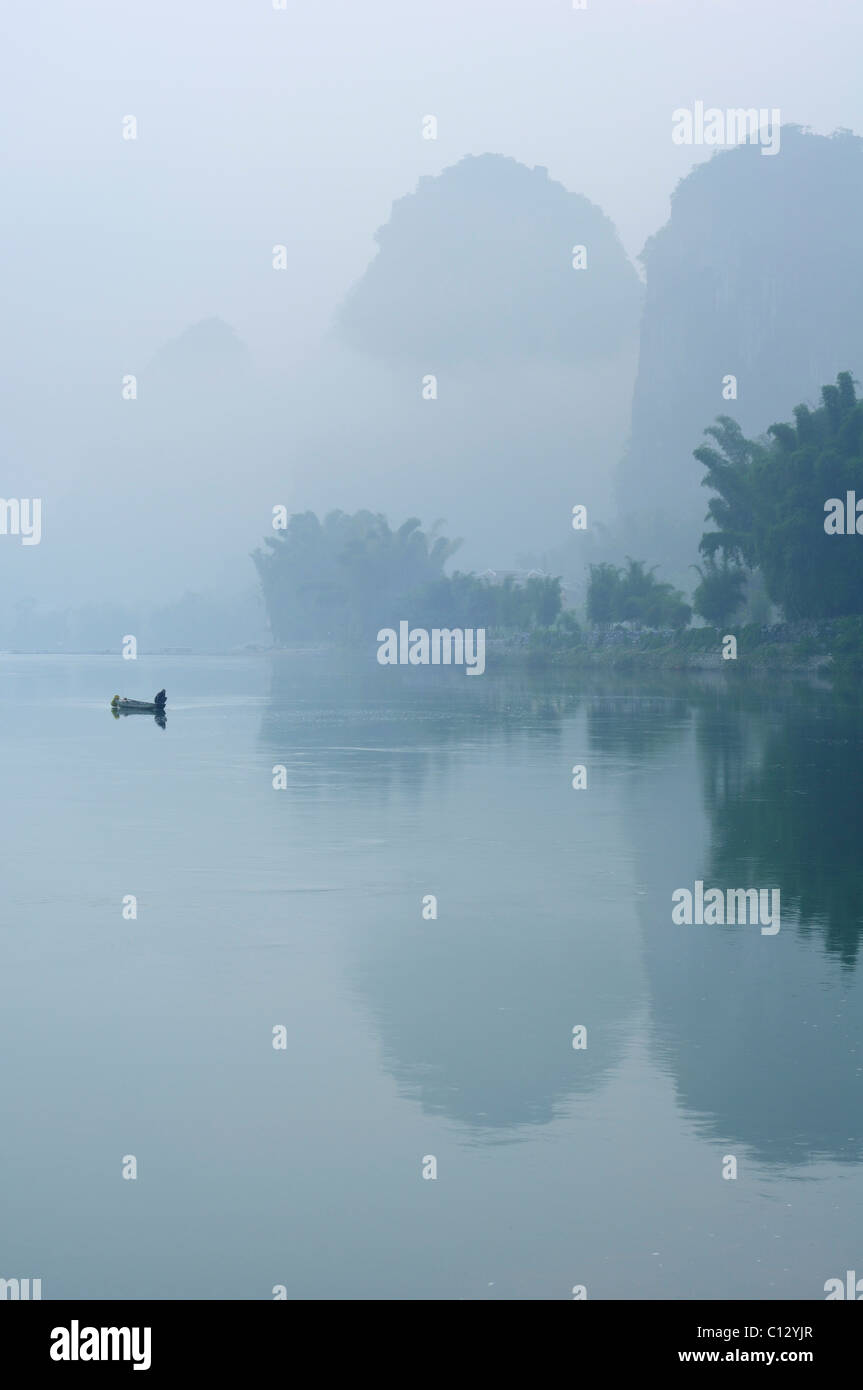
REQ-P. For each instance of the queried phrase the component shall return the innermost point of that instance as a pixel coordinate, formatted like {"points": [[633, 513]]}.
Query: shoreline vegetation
{"points": [[780, 585], [827, 648]]}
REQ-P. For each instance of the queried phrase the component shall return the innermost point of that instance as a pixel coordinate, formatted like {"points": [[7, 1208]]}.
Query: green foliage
{"points": [[602, 593], [349, 576], [769, 505], [720, 592], [467, 600], [749, 637], [617, 595], [699, 639], [846, 644], [339, 578], [563, 634]]}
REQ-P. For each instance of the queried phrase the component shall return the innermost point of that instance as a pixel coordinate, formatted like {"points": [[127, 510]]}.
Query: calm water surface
{"points": [[409, 1038]]}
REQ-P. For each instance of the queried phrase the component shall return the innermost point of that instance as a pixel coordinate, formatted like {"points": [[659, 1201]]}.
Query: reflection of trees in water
{"points": [[334, 720], [760, 1034], [633, 725], [474, 1010], [780, 768], [782, 790]]}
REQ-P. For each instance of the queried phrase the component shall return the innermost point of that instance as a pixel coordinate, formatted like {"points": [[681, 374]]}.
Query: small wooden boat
{"points": [[141, 706]]}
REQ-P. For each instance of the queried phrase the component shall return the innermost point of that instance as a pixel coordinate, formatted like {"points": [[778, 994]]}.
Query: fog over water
{"points": [[408, 1037], [329, 321]]}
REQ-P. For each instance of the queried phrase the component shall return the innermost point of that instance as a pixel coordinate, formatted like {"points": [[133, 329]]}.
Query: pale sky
{"points": [[300, 126]]}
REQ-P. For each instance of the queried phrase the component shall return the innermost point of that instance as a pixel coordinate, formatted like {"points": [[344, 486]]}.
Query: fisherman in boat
{"points": [[161, 700]]}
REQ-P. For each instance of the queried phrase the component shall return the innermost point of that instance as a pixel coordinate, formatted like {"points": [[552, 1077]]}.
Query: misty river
{"points": [[337, 920]]}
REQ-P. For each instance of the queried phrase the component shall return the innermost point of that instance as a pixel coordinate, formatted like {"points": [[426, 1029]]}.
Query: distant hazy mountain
{"points": [[758, 273], [533, 362], [153, 496], [201, 363], [477, 265], [474, 284]]}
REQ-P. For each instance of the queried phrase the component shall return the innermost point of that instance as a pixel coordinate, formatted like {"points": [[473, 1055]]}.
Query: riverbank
{"points": [[829, 647]]}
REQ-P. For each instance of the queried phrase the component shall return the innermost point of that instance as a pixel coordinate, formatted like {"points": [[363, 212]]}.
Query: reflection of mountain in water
{"points": [[466, 783], [761, 1033]]}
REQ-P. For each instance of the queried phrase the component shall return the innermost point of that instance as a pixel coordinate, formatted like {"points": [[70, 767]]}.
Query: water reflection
{"points": [[158, 716], [555, 906], [782, 784], [474, 1011], [761, 1034], [337, 721]]}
